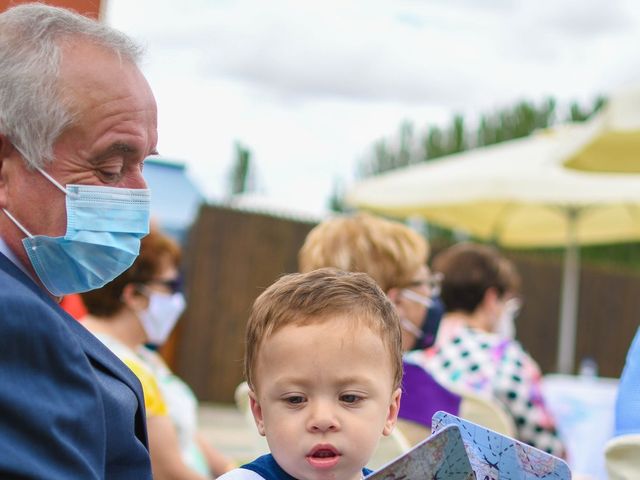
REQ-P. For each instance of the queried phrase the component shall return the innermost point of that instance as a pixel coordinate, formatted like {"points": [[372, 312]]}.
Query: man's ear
{"points": [[6, 151], [392, 414], [256, 409]]}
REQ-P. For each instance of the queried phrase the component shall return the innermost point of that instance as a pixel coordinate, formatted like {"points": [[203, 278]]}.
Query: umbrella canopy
{"points": [[518, 195], [611, 141]]}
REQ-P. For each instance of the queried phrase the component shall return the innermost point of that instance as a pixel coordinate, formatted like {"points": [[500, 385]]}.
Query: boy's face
{"points": [[324, 396]]}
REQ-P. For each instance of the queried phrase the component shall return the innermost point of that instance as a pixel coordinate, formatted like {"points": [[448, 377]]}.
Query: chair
{"points": [[622, 456], [486, 412], [473, 407], [389, 448], [414, 432], [259, 444]]}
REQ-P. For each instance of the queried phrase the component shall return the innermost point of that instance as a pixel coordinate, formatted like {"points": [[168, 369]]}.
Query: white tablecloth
{"points": [[584, 411]]}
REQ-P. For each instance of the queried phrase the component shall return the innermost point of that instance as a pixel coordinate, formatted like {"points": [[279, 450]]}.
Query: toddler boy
{"points": [[323, 361]]}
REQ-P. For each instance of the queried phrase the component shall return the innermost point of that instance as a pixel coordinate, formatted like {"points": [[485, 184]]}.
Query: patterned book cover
{"points": [[497, 457], [442, 456]]}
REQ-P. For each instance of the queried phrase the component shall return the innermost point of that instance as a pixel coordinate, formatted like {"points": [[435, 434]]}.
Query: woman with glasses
{"points": [[138, 308], [475, 349]]}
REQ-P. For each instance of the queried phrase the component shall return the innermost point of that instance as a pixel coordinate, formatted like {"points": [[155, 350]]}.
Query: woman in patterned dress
{"points": [[477, 288]]}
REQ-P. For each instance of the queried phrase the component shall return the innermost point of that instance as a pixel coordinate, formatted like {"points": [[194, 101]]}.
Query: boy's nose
{"points": [[322, 418]]}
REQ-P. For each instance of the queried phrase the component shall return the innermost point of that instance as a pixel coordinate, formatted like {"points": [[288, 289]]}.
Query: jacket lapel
{"points": [[94, 349]]}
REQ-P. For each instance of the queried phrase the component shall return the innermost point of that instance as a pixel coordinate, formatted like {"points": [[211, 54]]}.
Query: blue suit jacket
{"points": [[68, 407]]}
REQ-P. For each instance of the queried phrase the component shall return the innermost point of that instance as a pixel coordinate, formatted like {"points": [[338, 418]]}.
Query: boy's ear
{"points": [[256, 409], [392, 414]]}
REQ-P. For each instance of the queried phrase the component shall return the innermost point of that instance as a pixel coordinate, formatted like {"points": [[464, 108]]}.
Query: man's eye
{"points": [[110, 175], [295, 400], [350, 398]]}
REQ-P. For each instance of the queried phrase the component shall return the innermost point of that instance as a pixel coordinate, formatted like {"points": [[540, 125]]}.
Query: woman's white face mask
{"points": [[159, 318], [506, 325]]}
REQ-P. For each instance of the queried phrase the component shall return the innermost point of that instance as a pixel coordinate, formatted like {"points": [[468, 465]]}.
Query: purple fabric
{"points": [[422, 396]]}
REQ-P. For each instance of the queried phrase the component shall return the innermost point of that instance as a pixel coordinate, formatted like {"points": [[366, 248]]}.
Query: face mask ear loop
{"points": [[416, 297], [407, 326], [17, 223], [53, 180]]}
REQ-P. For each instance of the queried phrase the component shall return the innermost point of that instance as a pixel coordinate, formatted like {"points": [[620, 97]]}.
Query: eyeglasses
{"points": [[174, 285], [433, 283]]}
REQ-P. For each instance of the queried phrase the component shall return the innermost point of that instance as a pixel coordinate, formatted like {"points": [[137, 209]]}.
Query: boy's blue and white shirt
{"points": [[264, 467]]}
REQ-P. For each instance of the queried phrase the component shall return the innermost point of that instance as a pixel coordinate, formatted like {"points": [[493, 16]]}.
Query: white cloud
{"points": [[309, 86]]}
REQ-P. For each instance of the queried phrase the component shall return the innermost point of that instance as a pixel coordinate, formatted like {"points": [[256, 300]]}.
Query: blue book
{"points": [[494, 456], [442, 456]]}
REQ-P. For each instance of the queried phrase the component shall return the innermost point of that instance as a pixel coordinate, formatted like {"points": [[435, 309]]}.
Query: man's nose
{"points": [[323, 416]]}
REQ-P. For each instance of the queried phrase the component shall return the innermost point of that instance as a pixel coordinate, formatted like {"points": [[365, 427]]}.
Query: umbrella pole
{"points": [[569, 300]]}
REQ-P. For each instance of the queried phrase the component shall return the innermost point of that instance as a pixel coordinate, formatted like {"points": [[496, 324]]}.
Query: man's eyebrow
{"points": [[116, 147], [120, 147]]}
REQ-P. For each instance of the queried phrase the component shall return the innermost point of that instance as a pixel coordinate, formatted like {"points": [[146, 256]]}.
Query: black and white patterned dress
{"points": [[495, 367]]}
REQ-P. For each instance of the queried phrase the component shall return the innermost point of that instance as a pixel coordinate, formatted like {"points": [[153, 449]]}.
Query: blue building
{"points": [[175, 199]]}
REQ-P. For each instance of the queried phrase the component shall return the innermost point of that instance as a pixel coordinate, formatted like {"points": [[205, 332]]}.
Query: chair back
{"points": [[414, 432], [486, 412], [259, 444], [622, 457], [389, 448]]}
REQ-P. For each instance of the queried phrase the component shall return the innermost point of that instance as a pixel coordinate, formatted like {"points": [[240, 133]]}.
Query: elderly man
{"points": [[77, 119]]}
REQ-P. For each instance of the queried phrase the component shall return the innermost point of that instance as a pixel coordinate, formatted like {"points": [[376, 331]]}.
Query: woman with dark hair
{"points": [[477, 288], [141, 307]]}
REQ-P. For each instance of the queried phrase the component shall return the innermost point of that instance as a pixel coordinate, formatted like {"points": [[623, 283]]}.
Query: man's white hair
{"points": [[32, 111]]}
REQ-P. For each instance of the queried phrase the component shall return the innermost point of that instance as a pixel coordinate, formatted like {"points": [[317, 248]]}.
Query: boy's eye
{"points": [[295, 400], [350, 398]]}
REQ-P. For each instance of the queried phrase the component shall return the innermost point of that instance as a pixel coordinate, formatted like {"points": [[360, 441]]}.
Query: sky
{"points": [[310, 86]]}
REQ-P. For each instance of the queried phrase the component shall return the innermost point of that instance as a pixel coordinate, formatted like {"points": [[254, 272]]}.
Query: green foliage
{"points": [[515, 122], [504, 124], [240, 175], [336, 200]]}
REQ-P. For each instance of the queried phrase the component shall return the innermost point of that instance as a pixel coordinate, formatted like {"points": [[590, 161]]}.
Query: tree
{"points": [[504, 124], [336, 200], [241, 176]]}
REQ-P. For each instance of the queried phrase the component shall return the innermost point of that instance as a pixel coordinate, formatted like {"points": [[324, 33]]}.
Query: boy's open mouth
{"points": [[323, 456]]}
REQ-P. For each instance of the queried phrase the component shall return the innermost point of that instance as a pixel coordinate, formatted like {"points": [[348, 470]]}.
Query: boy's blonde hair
{"points": [[388, 251], [310, 298]]}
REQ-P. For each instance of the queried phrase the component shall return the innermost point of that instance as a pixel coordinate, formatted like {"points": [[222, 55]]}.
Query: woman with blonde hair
{"points": [[395, 256]]}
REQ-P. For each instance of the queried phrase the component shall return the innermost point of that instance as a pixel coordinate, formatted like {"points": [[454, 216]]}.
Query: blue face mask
{"points": [[425, 335], [431, 323], [104, 228]]}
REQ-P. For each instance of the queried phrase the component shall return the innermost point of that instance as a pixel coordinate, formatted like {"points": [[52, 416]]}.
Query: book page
{"points": [[442, 456]]}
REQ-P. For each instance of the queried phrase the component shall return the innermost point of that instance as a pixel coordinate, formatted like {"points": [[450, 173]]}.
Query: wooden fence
{"points": [[232, 256]]}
